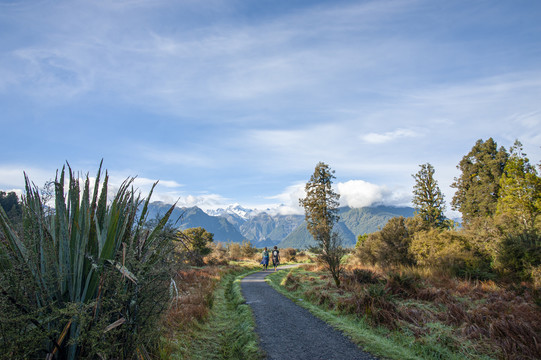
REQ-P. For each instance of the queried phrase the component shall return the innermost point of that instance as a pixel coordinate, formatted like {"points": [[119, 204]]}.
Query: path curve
{"points": [[288, 331]]}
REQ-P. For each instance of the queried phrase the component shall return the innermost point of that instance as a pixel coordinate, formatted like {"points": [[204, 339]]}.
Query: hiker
{"points": [[265, 260], [275, 257]]}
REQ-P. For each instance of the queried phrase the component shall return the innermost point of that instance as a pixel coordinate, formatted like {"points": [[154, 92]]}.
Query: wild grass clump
{"points": [[402, 284], [193, 297], [509, 322], [290, 281], [359, 277], [376, 303]]}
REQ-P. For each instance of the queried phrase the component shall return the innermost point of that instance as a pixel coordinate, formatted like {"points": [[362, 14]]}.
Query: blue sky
{"points": [[236, 101]]}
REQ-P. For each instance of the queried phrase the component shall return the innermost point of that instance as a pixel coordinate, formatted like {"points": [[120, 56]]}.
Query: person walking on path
{"points": [[265, 260], [275, 257]]}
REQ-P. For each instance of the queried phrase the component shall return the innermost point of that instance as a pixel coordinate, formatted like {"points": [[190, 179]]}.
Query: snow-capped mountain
{"points": [[268, 228], [234, 209]]}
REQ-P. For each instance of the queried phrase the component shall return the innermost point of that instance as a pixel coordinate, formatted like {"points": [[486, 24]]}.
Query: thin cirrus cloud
{"points": [[210, 95]]}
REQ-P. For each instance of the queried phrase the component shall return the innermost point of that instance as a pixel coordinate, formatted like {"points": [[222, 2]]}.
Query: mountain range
{"points": [[237, 224]]}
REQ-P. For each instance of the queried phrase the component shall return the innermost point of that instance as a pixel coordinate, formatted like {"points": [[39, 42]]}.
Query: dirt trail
{"points": [[288, 331]]}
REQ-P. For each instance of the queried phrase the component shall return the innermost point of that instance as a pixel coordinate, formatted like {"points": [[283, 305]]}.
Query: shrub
{"points": [[390, 246], [402, 284], [368, 250], [194, 245], [86, 280], [289, 254], [360, 277], [247, 250], [376, 303], [447, 251], [519, 253], [234, 251]]}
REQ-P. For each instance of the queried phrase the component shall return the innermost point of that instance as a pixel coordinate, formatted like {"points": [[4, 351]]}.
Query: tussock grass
{"points": [[402, 315], [224, 330]]}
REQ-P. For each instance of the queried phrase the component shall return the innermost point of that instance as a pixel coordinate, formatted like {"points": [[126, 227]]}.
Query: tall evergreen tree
{"points": [[427, 197], [520, 190], [479, 183], [321, 214]]}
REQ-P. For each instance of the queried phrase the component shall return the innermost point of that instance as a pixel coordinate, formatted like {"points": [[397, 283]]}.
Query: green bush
{"points": [[389, 246], [289, 254], [86, 280], [449, 251], [194, 245], [519, 253]]}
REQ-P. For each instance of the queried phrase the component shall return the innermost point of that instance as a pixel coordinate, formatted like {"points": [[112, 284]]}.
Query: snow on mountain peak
{"points": [[234, 209]]}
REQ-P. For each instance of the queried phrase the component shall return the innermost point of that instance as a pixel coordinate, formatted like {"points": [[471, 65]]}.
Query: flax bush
{"points": [[86, 280]]}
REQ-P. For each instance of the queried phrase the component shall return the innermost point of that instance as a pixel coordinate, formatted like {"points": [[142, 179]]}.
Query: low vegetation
{"points": [[208, 319], [410, 313], [92, 277]]}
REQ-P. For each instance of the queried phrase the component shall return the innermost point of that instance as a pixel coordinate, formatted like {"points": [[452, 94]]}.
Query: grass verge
{"points": [[227, 332], [377, 340]]}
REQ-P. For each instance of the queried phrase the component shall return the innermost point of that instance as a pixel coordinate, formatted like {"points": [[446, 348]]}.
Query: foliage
{"points": [[448, 252], [289, 254], [11, 205], [194, 244], [428, 198], [519, 252], [479, 182], [361, 239], [520, 191], [321, 214], [389, 246], [88, 281], [247, 250], [424, 315], [234, 251]]}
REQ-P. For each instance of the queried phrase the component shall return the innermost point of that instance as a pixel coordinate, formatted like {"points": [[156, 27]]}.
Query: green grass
{"points": [[227, 333], [439, 343]]}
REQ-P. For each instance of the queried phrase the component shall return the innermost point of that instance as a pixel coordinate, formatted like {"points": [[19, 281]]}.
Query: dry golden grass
{"points": [[497, 320], [194, 298]]}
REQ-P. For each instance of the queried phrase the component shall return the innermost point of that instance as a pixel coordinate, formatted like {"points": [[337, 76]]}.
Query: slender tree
{"points": [[428, 199], [479, 183], [321, 214]]}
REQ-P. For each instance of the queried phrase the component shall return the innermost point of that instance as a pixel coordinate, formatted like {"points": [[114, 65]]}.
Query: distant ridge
{"points": [[237, 224], [268, 230], [192, 217], [353, 222]]}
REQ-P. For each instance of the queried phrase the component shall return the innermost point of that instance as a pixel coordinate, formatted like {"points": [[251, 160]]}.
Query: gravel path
{"points": [[288, 331]]}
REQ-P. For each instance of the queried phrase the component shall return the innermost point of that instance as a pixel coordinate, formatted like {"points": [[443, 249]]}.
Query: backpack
{"points": [[275, 253]]}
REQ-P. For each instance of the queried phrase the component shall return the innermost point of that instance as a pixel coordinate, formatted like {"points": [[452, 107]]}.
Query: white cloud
{"points": [[12, 176], [288, 200], [381, 138], [203, 201], [353, 193], [359, 193]]}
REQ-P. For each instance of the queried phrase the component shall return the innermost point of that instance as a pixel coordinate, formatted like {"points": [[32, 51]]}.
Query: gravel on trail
{"points": [[288, 331]]}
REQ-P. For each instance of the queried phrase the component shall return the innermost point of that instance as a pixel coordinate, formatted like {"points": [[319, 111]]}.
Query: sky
{"points": [[227, 101]]}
